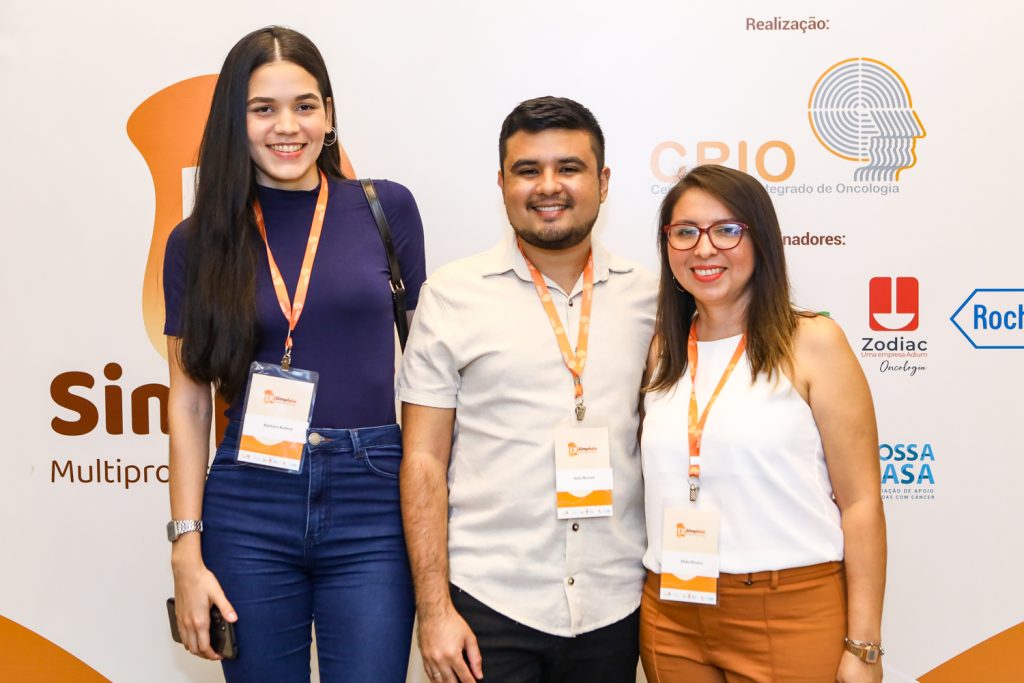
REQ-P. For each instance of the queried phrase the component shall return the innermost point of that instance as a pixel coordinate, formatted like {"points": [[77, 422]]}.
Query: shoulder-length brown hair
{"points": [[771, 318]]}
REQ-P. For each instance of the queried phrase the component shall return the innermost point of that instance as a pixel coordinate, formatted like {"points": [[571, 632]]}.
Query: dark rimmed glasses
{"points": [[723, 235]]}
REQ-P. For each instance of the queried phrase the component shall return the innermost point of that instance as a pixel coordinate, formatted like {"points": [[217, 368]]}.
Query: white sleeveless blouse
{"points": [[762, 468]]}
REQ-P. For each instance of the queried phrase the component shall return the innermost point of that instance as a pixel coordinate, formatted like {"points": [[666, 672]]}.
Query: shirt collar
{"points": [[505, 256]]}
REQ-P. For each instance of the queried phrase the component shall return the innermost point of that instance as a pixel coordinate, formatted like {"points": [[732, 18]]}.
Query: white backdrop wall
{"points": [[421, 91]]}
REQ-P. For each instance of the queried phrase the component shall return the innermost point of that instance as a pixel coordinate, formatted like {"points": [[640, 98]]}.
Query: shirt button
{"points": [[575, 526], [570, 581], [315, 439]]}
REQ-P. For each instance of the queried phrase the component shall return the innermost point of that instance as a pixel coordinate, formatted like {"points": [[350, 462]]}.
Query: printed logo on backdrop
{"points": [[861, 111], [893, 304], [908, 470], [167, 129], [992, 318], [94, 402], [771, 161], [894, 307]]}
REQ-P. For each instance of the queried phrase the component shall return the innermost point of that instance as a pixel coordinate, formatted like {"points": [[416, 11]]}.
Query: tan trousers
{"points": [[782, 626]]}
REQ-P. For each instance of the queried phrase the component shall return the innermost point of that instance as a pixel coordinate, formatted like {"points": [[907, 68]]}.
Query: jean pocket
{"points": [[384, 461], [224, 457]]}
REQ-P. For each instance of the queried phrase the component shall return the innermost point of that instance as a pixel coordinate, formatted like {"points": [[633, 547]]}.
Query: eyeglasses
{"points": [[723, 235]]}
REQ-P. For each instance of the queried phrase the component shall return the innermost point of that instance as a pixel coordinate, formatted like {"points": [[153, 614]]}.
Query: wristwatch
{"points": [[867, 652], [177, 527]]}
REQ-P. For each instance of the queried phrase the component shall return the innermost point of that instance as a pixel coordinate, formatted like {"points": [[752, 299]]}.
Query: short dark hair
{"points": [[543, 113]]}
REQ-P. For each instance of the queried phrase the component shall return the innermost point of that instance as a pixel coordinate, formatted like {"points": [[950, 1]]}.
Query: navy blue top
{"points": [[346, 332]]}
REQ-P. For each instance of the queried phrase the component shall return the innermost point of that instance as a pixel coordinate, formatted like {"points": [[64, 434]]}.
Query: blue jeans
{"points": [[323, 547]]}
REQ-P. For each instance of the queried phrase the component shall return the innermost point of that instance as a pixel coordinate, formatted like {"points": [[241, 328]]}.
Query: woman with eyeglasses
{"points": [[278, 298], [766, 533]]}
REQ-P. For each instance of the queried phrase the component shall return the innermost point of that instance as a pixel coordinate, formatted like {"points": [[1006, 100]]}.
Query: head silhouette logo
{"points": [[893, 304], [860, 110], [167, 129]]}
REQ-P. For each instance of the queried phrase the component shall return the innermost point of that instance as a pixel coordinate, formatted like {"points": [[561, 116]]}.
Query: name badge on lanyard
{"points": [[583, 470], [689, 546], [689, 556], [278, 410], [279, 398]]}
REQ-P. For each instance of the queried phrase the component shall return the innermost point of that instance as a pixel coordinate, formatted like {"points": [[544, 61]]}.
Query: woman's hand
{"points": [[853, 670], [195, 590]]}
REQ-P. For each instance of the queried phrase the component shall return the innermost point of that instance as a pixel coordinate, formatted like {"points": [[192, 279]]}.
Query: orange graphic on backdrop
{"points": [[27, 657], [1000, 659], [167, 129]]}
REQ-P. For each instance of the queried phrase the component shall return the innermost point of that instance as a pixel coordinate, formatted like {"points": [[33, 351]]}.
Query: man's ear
{"points": [[603, 177]]}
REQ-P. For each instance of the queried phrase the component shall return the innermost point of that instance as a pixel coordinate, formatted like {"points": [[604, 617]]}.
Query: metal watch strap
{"points": [[864, 650], [177, 527]]}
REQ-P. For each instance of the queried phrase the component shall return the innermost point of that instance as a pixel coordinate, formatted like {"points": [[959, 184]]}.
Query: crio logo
{"points": [[893, 304], [860, 110], [167, 129], [270, 397], [772, 160]]}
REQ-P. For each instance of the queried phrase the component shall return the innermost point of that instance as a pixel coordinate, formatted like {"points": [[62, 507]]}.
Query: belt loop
{"points": [[750, 579], [354, 435], [775, 579]]}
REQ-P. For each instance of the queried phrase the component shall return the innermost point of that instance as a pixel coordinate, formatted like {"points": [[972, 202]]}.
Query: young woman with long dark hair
{"points": [[281, 263], [765, 478]]}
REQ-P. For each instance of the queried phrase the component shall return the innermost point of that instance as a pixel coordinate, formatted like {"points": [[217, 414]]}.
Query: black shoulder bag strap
{"points": [[397, 286]]}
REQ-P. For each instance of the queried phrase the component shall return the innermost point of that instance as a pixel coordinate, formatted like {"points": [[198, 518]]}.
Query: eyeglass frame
{"points": [[701, 232]]}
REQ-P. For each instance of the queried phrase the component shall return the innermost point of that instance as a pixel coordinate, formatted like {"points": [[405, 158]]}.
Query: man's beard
{"points": [[563, 239]]}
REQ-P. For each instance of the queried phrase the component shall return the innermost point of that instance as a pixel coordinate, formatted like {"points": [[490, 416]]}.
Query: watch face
{"points": [[172, 532]]}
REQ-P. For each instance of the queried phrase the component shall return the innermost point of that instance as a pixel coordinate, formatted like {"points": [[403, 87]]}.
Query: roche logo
{"points": [[992, 318]]}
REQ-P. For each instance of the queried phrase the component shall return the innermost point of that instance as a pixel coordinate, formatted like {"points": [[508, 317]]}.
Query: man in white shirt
{"points": [[528, 354]]}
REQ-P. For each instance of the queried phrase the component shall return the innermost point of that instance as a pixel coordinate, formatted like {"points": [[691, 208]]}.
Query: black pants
{"points": [[514, 653]]}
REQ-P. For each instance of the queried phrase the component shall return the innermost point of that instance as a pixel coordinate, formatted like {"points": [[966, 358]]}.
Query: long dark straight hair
{"points": [[219, 328], [771, 318]]}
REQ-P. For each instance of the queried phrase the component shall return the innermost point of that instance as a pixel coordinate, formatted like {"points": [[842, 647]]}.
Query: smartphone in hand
{"points": [[222, 632]]}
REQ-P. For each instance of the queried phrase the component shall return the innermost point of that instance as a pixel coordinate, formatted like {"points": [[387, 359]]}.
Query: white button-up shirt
{"points": [[481, 343]]}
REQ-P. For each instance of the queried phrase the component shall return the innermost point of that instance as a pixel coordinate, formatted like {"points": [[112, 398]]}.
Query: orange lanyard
{"points": [[292, 311], [695, 427], [574, 361]]}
